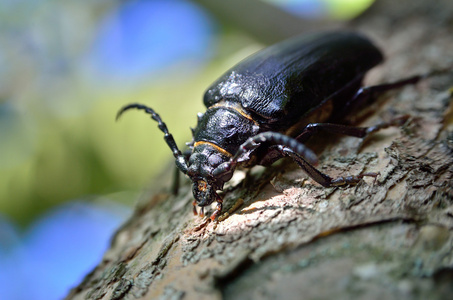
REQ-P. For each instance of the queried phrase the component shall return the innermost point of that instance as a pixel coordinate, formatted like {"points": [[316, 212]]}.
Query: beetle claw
{"points": [[194, 203]]}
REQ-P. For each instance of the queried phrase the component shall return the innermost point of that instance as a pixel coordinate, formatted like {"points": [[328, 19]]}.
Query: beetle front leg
{"points": [[176, 175], [194, 203], [275, 138], [226, 169], [218, 209]]}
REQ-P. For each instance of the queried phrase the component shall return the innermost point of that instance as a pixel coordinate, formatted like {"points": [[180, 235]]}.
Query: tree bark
{"points": [[285, 236]]}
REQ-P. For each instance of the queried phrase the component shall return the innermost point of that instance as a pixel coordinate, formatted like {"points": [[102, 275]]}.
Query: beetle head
{"points": [[202, 162], [203, 192]]}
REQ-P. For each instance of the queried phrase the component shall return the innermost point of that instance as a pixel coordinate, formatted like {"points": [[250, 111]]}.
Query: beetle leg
{"points": [[218, 208], [275, 138], [271, 138], [365, 93], [352, 179], [362, 96], [176, 175], [321, 178], [175, 184], [312, 128], [194, 203], [359, 132]]}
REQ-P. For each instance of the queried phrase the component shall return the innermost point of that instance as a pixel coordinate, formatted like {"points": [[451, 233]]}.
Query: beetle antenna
{"points": [[181, 162]]}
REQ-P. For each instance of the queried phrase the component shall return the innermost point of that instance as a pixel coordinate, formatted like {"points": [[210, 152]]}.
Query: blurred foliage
{"points": [[59, 99], [346, 9], [335, 9]]}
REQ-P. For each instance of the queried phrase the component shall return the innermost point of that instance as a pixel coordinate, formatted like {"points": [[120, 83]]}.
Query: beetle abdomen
{"points": [[280, 84]]}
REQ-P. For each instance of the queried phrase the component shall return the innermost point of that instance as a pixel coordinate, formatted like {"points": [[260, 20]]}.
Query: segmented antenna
{"points": [[181, 162]]}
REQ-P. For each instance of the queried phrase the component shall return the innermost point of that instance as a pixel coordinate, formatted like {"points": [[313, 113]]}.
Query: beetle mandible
{"points": [[265, 107]]}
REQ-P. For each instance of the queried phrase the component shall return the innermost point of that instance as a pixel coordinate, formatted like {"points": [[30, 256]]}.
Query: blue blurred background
{"points": [[67, 171]]}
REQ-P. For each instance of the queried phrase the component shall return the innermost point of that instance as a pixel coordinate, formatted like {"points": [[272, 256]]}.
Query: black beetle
{"points": [[265, 107]]}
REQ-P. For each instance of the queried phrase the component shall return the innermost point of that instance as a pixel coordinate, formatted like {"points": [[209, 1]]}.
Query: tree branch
{"points": [[286, 236]]}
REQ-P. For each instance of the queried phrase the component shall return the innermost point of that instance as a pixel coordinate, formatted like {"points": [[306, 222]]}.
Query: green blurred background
{"points": [[67, 66]]}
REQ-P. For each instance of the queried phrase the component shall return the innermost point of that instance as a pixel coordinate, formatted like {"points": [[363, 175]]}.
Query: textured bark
{"points": [[286, 236]]}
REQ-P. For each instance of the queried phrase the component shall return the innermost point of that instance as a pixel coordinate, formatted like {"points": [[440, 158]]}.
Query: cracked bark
{"points": [[287, 237]]}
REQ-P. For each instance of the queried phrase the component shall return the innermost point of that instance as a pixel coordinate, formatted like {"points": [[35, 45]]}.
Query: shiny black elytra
{"points": [[265, 107]]}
